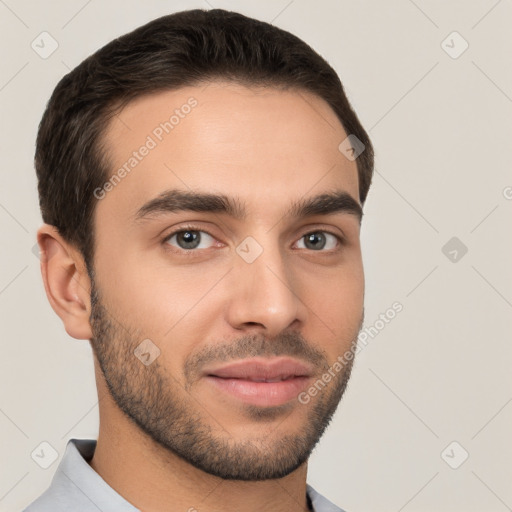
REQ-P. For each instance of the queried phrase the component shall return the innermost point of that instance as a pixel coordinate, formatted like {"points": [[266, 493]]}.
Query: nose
{"points": [[265, 294]]}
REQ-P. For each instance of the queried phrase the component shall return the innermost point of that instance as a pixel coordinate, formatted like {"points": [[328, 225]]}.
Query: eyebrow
{"points": [[175, 200]]}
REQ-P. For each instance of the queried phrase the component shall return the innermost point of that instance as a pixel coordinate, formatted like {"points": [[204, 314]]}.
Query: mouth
{"points": [[252, 379], [261, 382]]}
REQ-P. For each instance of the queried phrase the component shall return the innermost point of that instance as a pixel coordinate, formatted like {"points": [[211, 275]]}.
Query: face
{"points": [[199, 301]]}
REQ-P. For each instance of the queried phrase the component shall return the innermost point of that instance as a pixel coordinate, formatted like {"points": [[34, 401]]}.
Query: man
{"points": [[201, 182]]}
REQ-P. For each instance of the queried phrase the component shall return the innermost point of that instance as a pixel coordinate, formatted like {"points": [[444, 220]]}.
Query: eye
{"points": [[318, 240], [189, 238]]}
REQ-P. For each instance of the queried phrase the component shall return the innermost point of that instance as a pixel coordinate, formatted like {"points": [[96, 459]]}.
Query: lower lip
{"points": [[264, 394]]}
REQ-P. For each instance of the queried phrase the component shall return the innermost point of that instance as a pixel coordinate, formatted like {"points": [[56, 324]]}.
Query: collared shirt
{"points": [[77, 487]]}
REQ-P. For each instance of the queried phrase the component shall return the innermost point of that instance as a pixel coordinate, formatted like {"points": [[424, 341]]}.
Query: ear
{"points": [[66, 281]]}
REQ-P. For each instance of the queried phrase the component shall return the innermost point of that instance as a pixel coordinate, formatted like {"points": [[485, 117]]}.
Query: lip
{"points": [[262, 369], [240, 380]]}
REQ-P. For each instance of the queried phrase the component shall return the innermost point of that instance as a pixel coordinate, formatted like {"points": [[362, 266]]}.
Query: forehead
{"points": [[261, 145]]}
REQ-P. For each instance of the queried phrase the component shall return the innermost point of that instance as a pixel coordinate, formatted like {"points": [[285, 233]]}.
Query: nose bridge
{"points": [[264, 289]]}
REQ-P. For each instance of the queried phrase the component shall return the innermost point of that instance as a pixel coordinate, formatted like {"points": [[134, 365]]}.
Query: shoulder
{"points": [[320, 502], [61, 499]]}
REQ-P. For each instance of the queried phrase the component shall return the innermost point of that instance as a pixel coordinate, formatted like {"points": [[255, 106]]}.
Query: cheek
{"points": [[161, 301], [336, 302]]}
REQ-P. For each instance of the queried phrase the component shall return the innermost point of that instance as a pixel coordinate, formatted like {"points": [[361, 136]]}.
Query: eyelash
{"points": [[191, 227]]}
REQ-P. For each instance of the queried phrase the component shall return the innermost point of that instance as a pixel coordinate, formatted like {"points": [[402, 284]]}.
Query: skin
{"points": [[268, 148]]}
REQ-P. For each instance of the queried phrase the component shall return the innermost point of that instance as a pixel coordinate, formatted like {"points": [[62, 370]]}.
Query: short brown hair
{"points": [[182, 49]]}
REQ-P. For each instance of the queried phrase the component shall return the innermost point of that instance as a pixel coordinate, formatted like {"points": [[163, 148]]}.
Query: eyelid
{"points": [[341, 240], [338, 233], [191, 227], [186, 227], [184, 252]]}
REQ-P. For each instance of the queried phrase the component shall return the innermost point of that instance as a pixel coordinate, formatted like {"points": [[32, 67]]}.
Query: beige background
{"points": [[437, 373]]}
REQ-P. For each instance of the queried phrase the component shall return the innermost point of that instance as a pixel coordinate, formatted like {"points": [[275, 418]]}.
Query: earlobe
{"points": [[66, 281]]}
